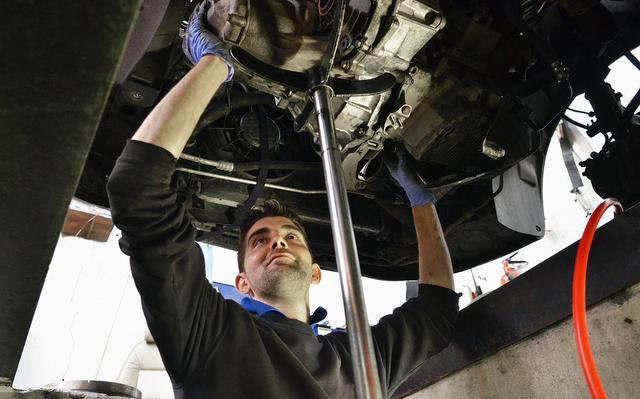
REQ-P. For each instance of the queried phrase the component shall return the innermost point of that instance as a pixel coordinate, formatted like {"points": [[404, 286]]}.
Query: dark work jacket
{"points": [[212, 347]]}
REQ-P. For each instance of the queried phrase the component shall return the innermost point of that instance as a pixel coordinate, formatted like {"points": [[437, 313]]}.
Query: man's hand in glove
{"points": [[200, 41], [401, 167]]}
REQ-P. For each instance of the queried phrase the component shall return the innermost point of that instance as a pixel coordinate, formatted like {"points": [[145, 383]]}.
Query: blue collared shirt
{"points": [[259, 308]]}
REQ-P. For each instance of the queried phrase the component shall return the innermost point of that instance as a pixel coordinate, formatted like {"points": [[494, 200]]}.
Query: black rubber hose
{"points": [[258, 189], [222, 107], [574, 122], [632, 59]]}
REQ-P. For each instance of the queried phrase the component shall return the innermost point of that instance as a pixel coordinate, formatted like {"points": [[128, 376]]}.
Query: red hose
{"points": [[579, 300]]}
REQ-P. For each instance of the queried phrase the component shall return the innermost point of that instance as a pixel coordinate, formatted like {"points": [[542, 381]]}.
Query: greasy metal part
{"points": [[492, 150], [353, 155], [248, 181], [280, 33], [222, 165], [298, 81], [244, 166], [283, 75], [218, 200], [413, 24], [329, 55], [327, 222], [362, 351], [304, 217], [395, 121], [356, 115], [452, 110]]}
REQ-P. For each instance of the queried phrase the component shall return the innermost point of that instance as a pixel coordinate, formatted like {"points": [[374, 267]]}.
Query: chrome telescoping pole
{"points": [[344, 241]]}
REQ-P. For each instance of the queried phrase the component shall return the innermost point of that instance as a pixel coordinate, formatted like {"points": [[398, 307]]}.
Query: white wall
{"points": [[88, 304]]}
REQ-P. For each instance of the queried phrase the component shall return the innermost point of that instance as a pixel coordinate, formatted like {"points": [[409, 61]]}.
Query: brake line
{"points": [[579, 300]]}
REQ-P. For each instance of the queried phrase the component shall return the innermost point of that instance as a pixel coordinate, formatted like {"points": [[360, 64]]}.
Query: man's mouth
{"points": [[279, 255]]}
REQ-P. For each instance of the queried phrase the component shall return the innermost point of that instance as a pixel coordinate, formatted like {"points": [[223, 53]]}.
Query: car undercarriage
{"points": [[473, 90]]}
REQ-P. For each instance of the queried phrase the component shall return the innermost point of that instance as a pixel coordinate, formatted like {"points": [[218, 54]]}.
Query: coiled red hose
{"points": [[579, 300]]}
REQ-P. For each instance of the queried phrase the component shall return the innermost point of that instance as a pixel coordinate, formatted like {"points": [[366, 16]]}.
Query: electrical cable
{"points": [[258, 189], [574, 122], [580, 111], [579, 300], [632, 59]]}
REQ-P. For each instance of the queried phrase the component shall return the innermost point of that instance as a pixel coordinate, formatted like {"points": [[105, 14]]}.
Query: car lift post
{"points": [[363, 356]]}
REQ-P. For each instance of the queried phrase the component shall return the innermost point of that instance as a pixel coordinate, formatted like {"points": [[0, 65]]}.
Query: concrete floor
{"points": [[547, 366]]}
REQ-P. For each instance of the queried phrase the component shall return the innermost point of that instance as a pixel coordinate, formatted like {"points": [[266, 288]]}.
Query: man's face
{"points": [[277, 261]]}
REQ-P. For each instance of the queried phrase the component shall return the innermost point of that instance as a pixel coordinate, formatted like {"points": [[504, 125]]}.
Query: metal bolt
{"points": [[492, 150], [237, 20], [432, 18], [136, 96], [389, 129], [345, 65]]}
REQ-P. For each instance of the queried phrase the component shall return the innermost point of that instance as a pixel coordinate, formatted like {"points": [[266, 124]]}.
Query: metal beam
{"points": [[58, 62]]}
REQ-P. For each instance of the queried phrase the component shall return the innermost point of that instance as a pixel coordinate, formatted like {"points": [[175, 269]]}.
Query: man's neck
{"points": [[297, 309]]}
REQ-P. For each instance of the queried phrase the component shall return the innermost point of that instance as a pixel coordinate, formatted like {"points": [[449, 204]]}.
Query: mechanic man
{"points": [[214, 348]]}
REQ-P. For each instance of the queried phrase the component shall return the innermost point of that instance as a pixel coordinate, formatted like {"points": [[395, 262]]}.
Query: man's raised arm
{"points": [[172, 121], [184, 313], [433, 255], [434, 261]]}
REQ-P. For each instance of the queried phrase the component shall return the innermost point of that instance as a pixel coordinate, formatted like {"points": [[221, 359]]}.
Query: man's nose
{"points": [[279, 242]]}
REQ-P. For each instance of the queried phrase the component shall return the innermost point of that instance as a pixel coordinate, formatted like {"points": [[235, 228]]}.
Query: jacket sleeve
{"points": [[418, 329], [184, 313]]}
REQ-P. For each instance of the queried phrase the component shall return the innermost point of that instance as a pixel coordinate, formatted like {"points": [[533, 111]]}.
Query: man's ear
{"points": [[316, 274], [242, 283]]}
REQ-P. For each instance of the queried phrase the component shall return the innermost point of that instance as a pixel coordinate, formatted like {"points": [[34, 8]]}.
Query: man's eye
{"points": [[258, 241], [291, 236]]}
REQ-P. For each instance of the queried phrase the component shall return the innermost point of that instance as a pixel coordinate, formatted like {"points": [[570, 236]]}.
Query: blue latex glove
{"points": [[199, 41], [401, 168]]}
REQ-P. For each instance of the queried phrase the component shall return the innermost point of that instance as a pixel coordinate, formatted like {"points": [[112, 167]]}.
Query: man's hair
{"points": [[270, 208]]}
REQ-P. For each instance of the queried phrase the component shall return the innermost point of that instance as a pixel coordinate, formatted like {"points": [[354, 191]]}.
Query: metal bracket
{"points": [[299, 81]]}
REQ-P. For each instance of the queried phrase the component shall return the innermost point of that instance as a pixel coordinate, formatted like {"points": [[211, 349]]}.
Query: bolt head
{"points": [[432, 18], [136, 96]]}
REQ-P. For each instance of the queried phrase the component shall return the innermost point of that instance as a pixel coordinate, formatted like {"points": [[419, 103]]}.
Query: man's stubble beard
{"points": [[285, 281]]}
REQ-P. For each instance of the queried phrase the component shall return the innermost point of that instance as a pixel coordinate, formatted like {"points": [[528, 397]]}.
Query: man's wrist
{"points": [[219, 62], [218, 65], [420, 195], [424, 206]]}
